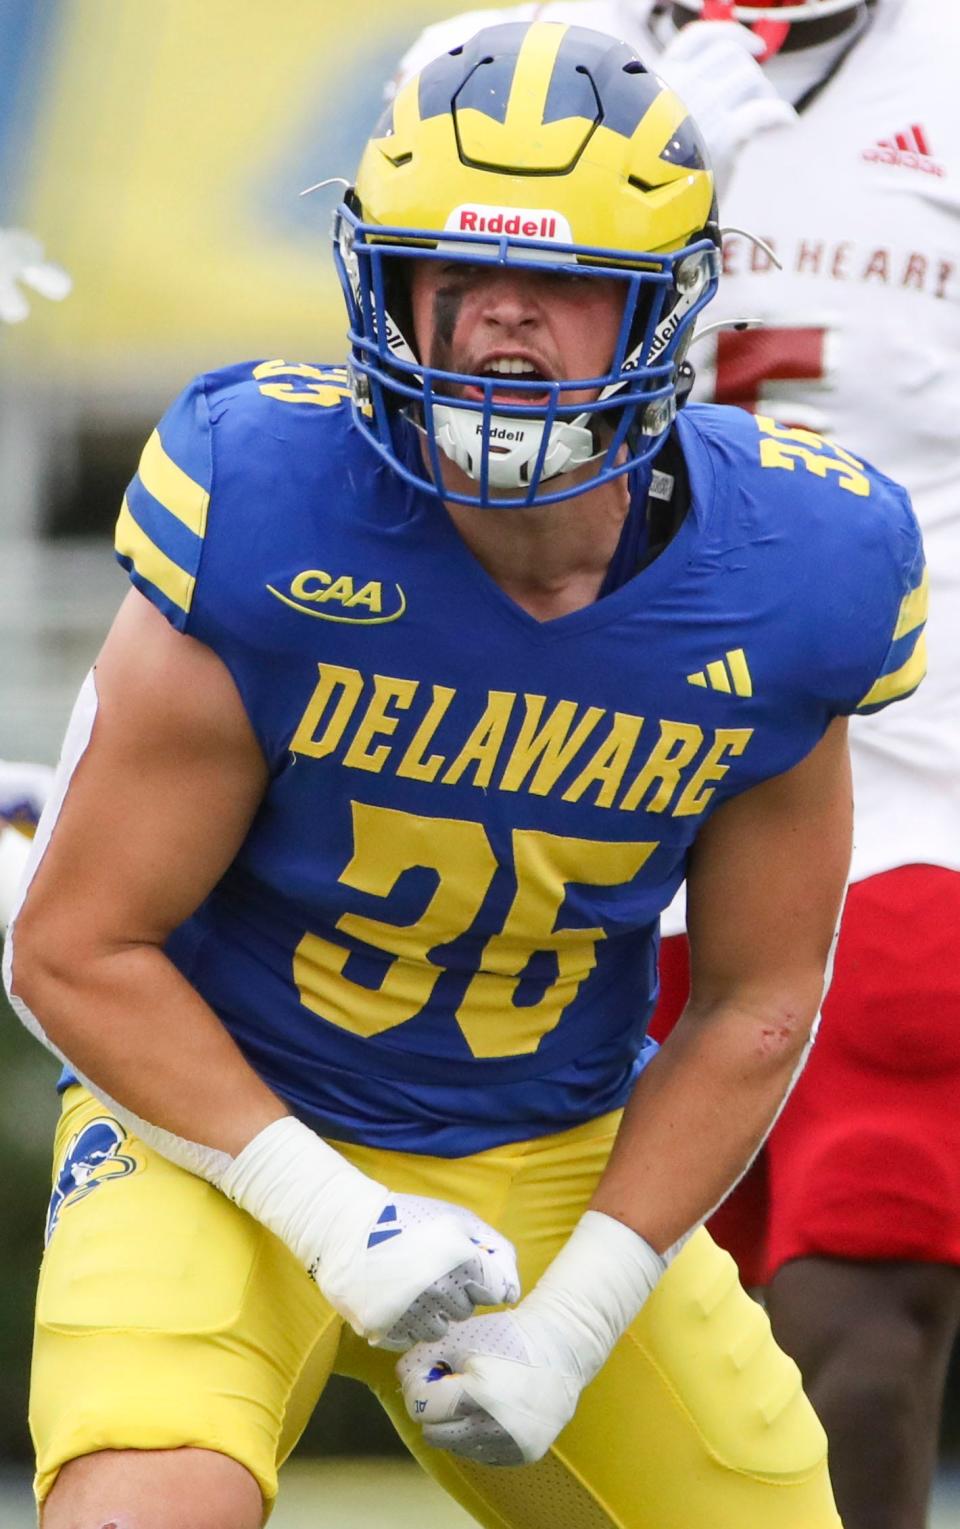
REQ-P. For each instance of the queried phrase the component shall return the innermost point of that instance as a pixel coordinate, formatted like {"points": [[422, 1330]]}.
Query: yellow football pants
{"points": [[167, 1317]]}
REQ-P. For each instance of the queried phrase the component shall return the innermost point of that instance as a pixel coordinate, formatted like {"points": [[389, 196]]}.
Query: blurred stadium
{"points": [[158, 150]]}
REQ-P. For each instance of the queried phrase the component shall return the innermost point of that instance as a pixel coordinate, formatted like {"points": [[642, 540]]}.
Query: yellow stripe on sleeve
{"points": [[913, 608], [889, 686], [175, 490], [133, 542]]}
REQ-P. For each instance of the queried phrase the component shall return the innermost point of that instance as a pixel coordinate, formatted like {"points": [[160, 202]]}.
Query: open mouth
{"points": [[524, 377]]}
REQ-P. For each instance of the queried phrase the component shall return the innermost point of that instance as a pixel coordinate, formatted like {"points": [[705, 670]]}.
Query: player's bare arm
{"points": [[765, 886], [174, 768], [155, 812]]}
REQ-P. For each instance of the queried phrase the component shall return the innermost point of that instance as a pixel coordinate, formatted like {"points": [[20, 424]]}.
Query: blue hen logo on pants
{"points": [[91, 1158]]}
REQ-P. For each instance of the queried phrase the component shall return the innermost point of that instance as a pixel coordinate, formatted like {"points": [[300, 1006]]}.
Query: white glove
{"points": [[22, 263], [399, 1268], [712, 66], [24, 789], [499, 1388]]}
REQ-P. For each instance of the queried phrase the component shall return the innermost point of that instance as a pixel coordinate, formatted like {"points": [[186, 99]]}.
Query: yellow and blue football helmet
{"points": [[538, 146]]}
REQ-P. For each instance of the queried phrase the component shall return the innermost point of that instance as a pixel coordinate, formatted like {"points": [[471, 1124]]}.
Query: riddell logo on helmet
{"points": [[517, 222]]}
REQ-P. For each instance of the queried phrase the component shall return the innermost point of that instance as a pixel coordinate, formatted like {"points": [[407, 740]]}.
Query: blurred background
{"points": [[158, 148]]}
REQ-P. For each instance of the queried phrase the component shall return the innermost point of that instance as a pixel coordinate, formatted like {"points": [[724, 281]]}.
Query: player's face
{"points": [[553, 327]]}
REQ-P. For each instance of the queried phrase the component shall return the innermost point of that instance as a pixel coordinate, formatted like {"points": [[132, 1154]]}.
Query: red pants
{"points": [[864, 1162]]}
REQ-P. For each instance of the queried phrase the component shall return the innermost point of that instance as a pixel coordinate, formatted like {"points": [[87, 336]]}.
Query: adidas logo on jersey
{"points": [[729, 674], [908, 149]]}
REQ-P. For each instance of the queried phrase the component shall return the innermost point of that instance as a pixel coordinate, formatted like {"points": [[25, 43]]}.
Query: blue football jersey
{"points": [[441, 931]]}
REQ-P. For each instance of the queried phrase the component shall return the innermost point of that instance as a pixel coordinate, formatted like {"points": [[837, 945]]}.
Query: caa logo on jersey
{"points": [[92, 1157], [518, 222], [360, 602]]}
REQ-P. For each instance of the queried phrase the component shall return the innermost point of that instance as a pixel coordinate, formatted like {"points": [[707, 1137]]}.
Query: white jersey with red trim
{"points": [[860, 199], [861, 202]]}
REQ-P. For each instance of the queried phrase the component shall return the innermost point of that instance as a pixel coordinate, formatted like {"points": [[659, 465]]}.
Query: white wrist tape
{"points": [[292, 1182], [594, 1288], [400, 1268]]}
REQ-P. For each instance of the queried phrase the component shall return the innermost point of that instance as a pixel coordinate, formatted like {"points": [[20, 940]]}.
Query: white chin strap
{"points": [[514, 445], [805, 10]]}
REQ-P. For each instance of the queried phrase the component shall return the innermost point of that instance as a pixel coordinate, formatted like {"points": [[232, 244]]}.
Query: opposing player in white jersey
{"points": [[860, 203], [862, 340]]}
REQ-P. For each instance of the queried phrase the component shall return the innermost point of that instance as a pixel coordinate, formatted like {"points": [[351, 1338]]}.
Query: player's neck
{"points": [[549, 559]]}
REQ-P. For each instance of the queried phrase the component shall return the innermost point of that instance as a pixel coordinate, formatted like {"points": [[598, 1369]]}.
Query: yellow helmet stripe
{"points": [[531, 80]]}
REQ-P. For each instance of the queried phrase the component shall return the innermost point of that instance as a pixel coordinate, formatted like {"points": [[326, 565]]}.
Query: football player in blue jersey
{"points": [[439, 673]]}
